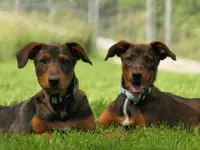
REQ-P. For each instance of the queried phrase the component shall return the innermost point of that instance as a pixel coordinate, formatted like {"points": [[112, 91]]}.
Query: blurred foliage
{"points": [[185, 27], [130, 24], [18, 29], [119, 19]]}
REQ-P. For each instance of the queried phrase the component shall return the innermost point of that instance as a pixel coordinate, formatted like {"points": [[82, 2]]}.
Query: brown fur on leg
{"points": [[86, 124], [107, 117], [38, 125]]}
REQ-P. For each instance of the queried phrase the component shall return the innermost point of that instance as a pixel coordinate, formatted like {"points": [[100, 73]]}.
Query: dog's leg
{"points": [[107, 117], [86, 124], [140, 119], [38, 125]]}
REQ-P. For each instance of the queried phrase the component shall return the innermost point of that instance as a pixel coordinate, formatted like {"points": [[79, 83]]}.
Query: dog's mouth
{"points": [[53, 91], [136, 88]]}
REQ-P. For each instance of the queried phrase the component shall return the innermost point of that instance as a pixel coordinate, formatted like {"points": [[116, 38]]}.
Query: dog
{"points": [[140, 103], [60, 105]]}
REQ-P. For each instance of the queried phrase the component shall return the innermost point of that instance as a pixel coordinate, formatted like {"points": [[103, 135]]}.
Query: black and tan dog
{"points": [[60, 104], [140, 102]]}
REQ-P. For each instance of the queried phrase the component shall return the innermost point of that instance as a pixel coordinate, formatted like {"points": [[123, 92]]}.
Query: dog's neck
{"points": [[70, 92], [63, 105], [135, 97]]}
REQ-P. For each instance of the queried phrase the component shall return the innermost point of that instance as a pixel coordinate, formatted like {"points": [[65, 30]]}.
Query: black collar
{"points": [[63, 105], [71, 91]]}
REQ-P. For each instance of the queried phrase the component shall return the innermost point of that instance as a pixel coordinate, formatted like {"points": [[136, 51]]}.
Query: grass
{"points": [[101, 83], [24, 28]]}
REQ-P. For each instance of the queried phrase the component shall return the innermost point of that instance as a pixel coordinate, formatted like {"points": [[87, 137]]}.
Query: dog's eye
{"points": [[43, 61], [63, 61], [129, 59], [148, 59]]}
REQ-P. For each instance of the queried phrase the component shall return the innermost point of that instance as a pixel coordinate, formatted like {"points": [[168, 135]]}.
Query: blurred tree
{"points": [[108, 9], [151, 21], [168, 13]]}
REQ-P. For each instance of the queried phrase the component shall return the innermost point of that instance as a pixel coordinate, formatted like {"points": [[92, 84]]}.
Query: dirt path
{"points": [[180, 65]]}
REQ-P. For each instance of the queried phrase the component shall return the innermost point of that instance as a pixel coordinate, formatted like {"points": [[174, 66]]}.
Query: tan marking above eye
{"points": [[130, 56], [62, 56], [46, 56], [133, 54], [146, 55]]}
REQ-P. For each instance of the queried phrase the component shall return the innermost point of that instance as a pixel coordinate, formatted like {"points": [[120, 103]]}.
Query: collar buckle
{"points": [[54, 100]]}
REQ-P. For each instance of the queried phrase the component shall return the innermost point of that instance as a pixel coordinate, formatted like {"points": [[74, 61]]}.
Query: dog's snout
{"points": [[54, 80], [137, 75]]}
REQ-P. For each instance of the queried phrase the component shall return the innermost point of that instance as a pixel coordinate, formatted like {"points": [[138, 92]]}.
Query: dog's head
{"points": [[139, 63], [54, 63]]}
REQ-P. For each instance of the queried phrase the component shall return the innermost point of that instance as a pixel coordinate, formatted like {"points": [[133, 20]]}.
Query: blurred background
{"points": [[95, 23]]}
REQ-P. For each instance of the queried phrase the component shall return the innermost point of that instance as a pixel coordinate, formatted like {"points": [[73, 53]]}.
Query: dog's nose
{"points": [[54, 80], [137, 75]]}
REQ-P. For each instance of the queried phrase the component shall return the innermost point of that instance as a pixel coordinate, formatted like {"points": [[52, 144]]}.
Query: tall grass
{"points": [[17, 29]]}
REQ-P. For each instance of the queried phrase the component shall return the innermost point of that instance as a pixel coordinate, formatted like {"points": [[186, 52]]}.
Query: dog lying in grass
{"points": [[60, 104], [140, 102]]}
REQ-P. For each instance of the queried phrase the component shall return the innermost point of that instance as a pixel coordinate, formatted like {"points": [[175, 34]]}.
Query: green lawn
{"points": [[101, 82]]}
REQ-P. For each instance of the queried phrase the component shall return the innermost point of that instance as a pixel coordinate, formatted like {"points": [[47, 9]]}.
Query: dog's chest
{"points": [[129, 112], [62, 106]]}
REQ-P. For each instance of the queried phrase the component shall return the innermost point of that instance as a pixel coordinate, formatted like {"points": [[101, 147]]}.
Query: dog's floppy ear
{"points": [[162, 50], [117, 49], [78, 51], [28, 52]]}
